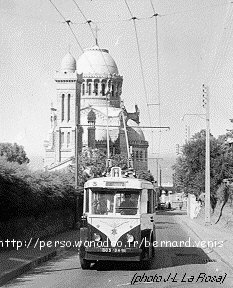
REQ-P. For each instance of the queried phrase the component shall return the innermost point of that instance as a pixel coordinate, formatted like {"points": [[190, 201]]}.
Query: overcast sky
{"points": [[195, 47]]}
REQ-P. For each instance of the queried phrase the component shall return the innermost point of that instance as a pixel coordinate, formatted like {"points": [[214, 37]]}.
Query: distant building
{"points": [[95, 78]]}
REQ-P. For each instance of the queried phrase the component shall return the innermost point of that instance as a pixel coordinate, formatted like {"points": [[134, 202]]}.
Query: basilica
{"points": [[95, 80]]}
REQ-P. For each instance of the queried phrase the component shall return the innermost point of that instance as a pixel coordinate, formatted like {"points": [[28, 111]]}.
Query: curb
{"points": [[13, 273], [210, 250]]}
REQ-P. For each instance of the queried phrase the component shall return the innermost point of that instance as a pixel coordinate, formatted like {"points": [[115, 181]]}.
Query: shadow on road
{"points": [[171, 212], [164, 258]]}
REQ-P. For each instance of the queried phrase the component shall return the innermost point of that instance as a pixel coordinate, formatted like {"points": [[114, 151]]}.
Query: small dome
{"points": [[96, 61], [135, 134], [140, 133], [68, 63], [135, 131]]}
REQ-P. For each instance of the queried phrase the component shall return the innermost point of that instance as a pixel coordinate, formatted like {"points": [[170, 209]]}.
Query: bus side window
{"points": [[144, 201], [148, 207], [87, 200], [150, 201]]}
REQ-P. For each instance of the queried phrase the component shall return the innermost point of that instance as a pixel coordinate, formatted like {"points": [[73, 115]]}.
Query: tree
{"points": [[189, 169], [13, 153], [146, 175]]}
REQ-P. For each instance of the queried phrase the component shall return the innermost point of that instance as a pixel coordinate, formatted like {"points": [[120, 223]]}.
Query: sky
{"points": [[195, 46]]}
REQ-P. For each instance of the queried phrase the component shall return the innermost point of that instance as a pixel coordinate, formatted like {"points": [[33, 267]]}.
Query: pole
{"points": [[129, 162], [108, 152], [207, 162], [160, 176], [77, 128], [157, 171]]}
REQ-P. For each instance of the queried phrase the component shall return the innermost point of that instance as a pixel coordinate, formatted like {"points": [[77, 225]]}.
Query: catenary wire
{"points": [[95, 36], [68, 22], [158, 71], [140, 59]]}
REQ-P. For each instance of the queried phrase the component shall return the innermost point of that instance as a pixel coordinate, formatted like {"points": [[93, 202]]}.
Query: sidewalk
{"points": [[15, 262], [218, 240]]}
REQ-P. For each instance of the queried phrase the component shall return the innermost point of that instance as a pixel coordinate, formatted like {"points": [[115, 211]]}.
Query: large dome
{"points": [[96, 61]]}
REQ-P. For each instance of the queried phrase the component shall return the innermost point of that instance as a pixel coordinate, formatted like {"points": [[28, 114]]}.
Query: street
{"points": [[171, 267]]}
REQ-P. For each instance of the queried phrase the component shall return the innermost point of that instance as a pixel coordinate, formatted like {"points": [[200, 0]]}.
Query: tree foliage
{"points": [[189, 169], [13, 153], [27, 193], [145, 175]]}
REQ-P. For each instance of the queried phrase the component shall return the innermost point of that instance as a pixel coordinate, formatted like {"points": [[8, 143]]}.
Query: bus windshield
{"points": [[120, 202]]}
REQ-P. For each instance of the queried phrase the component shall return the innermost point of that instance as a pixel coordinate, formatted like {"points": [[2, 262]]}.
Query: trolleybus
{"points": [[118, 219]]}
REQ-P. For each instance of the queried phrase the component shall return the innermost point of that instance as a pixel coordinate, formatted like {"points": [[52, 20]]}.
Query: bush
{"points": [[26, 193]]}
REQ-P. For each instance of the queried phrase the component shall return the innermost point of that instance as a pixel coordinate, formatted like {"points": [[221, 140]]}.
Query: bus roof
{"points": [[118, 183]]}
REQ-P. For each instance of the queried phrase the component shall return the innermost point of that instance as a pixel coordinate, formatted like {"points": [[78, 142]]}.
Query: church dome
{"points": [[68, 63], [96, 61], [140, 133]]}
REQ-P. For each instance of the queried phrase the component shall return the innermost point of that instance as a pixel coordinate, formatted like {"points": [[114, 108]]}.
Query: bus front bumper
{"points": [[113, 254]]}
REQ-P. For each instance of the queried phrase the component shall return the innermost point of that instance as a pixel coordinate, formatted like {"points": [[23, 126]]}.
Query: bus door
{"points": [[148, 219]]}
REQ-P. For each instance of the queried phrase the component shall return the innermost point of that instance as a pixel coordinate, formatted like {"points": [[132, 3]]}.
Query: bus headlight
{"points": [[130, 238], [97, 237]]}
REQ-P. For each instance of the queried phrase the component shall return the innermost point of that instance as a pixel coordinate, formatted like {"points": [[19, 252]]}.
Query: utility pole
{"points": [[157, 171], [108, 149], [206, 101], [160, 176], [77, 148]]}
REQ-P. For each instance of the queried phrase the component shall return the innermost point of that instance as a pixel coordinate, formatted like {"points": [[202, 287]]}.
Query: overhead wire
{"points": [[223, 44], [68, 22], [158, 72], [96, 40], [221, 50], [95, 36], [140, 58]]}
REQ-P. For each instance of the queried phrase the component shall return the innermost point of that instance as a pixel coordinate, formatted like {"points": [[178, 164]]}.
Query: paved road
{"points": [[169, 268]]}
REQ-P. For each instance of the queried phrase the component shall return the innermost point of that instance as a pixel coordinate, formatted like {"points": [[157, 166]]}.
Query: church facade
{"points": [[96, 80]]}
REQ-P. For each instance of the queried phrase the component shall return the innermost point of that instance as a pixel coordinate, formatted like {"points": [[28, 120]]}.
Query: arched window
{"points": [[137, 156], [83, 88], [89, 88], [103, 88], [68, 108], [118, 92], [113, 92], [68, 139], [62, 138], [133, 155], [91, 117], [62, 107], [96, 88], [141, 155]]}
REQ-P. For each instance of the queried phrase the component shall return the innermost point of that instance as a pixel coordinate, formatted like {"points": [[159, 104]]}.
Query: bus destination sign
{"points": [[115, 183]]}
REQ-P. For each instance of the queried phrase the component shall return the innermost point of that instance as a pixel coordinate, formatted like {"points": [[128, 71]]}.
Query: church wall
{"points": [[92, 96]]}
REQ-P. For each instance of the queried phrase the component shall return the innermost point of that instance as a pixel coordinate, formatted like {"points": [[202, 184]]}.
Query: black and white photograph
{"points": [[116, 143]]}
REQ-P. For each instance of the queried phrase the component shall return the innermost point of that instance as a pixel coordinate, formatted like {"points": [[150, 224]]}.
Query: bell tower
{"points": [[68, 87]]}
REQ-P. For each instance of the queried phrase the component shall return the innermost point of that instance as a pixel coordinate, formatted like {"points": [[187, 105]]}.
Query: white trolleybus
{"points": [[118, 219]]}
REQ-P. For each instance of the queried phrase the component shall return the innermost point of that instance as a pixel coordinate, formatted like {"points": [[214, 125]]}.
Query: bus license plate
{"points": [[116, 250]]}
